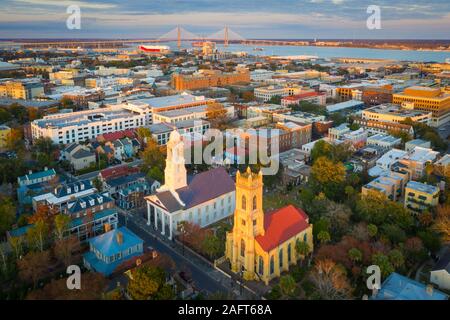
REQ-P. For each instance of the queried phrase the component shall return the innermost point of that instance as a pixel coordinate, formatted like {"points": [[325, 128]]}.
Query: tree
{"points": [[355, 255], [384, 263], [7, 215], [62, 222], [396, 258], [216, 113], [44, 145], [92, 287], [146, 282], [37, 235], [152, 156], [330, 280], [67, 103], [34, 266], [16, 244], [325, 171], [442, 222], [372, 229], [143, 132], [14, 140], [287, 285], [97, 184], [323, 237], [157, 174], [275, 100], [212, 246], [302, 248], [65, 248], [321, 149]]}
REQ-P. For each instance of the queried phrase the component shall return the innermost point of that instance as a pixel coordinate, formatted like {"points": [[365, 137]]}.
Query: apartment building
{"points": [[420, 197], [25, 89], [434, 100], [397, 114], [209, 78], [312, 97], [267, 93]]}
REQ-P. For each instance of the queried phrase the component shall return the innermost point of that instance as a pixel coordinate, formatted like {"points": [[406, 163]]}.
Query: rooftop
{"points": [[395, 110], [422, 187], [175, 100]]}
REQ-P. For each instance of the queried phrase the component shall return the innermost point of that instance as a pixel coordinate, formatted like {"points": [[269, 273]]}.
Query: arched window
{"points": [[244, 203], [280, 257], [272, 265], [305, 237], [289, 248], [254, 203], [261, 266], [242, 248]]}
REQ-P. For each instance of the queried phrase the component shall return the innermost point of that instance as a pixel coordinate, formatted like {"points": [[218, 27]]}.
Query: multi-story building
{"points": [[261, 75], [209, 78], [417, 160], [161, 131], [194, 113], [395, 113], [24, 89], [420, 197], [312, 97], [301, 134], [267, 93], [434, 100], [376, 126], [64, 128]]}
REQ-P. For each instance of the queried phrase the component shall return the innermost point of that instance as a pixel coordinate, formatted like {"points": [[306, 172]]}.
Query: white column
{"points": [[156, 219], [163, 223], [148, 213], [170, 226]]}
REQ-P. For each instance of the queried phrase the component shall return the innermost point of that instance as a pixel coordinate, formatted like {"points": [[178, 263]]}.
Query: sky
{"points": [[252, 19]]}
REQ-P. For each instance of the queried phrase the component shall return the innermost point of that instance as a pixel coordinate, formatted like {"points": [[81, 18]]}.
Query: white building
{"points": [[64, 128], [203, 200], [384, 141], [261, 75]]}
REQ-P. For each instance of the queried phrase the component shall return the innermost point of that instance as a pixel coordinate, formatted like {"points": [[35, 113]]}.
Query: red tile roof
{"points": [[281, 225], [303, 96], [112, 136], [118, 171]]}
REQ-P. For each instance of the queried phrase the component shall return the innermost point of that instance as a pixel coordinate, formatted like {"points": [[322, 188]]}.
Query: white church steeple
{"points": [[175, 173]]}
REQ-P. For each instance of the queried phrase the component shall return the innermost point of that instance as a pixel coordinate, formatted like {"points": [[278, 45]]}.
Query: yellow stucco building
{"points": [[262, 246]]}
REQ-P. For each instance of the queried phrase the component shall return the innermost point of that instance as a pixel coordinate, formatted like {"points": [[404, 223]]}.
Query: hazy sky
{"points": [[428, 19]]}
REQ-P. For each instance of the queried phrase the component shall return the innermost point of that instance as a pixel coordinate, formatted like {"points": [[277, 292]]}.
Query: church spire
{"points": [[175, 172]]}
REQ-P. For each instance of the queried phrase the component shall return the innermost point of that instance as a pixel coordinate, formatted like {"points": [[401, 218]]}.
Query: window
{"points": [[272, 265], [305, 237], [244, 203], [254, 203], [289, 253], [260, 265], [280, 257], [242, 248], [243, 222]]}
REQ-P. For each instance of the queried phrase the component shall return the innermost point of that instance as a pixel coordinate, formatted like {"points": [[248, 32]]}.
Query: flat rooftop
{"points": [[422, 187], [395, 110], [174, 100]]}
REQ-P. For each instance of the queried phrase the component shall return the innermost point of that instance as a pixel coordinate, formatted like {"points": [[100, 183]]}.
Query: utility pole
{"points": [[179, 37]]}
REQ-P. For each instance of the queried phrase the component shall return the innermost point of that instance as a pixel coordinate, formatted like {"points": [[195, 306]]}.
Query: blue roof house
{"points": [[398, 287], [111, 249]]}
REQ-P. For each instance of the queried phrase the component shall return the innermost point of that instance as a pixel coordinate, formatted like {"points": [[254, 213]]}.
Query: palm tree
{"points": [[355, 255], [302, 248]]}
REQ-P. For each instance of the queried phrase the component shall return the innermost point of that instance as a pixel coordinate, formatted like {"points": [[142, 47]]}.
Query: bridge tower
{"points": [[226, 37], [179, 37]]}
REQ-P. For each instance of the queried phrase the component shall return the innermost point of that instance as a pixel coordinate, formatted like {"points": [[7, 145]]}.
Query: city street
{"points": [[204, 276]]}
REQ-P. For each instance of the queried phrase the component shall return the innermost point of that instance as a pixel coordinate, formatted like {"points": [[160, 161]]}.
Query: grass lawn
{"points": [[277, 199]]}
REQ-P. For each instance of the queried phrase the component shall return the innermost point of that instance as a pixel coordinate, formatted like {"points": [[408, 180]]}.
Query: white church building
{"points": [[202, 199]]}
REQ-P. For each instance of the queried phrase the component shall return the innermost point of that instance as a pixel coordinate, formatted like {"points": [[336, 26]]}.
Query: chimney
{"points": [[430, 290], [107, 227], [119, 237]]}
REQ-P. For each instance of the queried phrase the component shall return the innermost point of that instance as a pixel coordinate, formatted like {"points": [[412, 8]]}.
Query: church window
{"points": [[272, 265], [242, 248], [305, 237], [289, 253], [254, 222], [244, 203], [261, 265], [280, 257], [254, 203]]}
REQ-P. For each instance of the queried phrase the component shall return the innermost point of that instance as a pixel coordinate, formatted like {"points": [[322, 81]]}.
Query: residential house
{"points": [[420, 196], [79, 156], [111, 249], [440, 274]]}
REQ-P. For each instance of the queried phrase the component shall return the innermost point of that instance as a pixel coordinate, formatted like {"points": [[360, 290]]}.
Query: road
{"points": [[205, 277]]}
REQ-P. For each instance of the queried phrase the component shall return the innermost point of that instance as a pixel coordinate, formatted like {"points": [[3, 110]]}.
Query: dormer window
{"points": [[83, 204], [100, 199], [75, 188], [69, 190], [82, 186], [92, 202]]}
